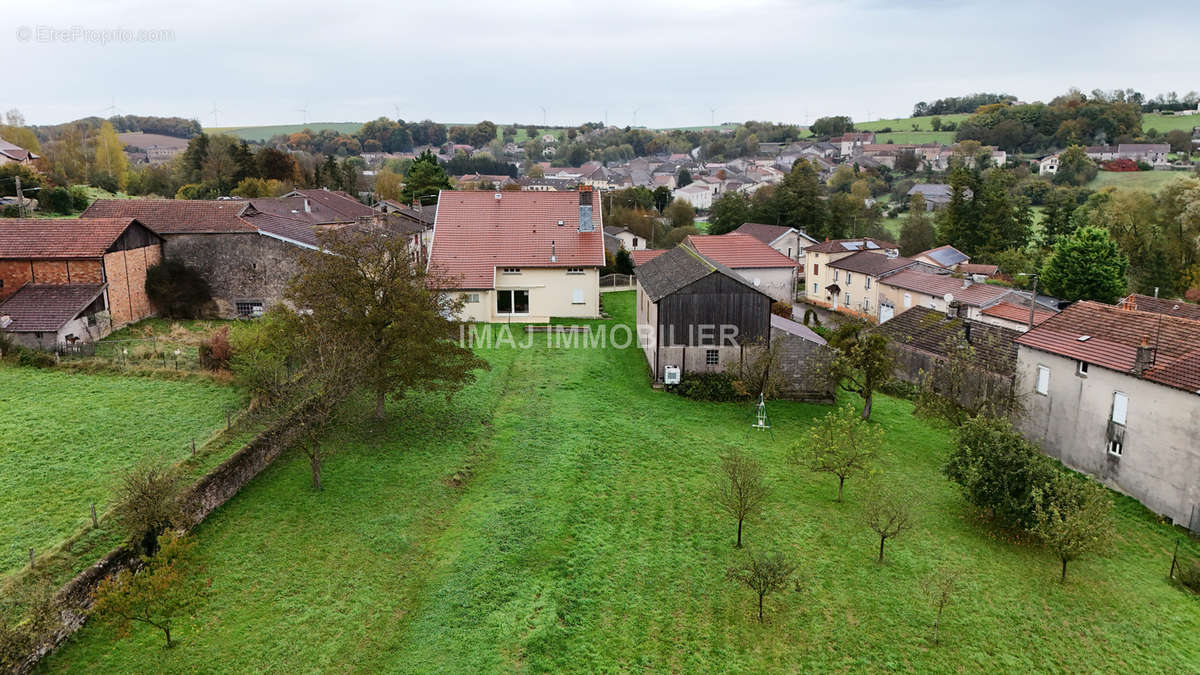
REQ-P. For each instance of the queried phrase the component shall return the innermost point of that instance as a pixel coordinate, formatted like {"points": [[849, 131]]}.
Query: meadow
{"points": [[263, 133], [66, 439], [556, 516], [1146, 181]]}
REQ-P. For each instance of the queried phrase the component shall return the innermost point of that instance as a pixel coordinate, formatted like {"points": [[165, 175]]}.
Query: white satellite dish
{"points": [[757, 282], [949, 298]]}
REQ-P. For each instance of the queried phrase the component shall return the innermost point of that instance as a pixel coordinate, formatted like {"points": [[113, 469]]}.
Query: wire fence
{"points": [[155, 352], [617, 281]]}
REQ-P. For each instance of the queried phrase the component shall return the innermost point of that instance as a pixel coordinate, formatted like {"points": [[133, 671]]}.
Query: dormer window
{"points": [[512, 270]]}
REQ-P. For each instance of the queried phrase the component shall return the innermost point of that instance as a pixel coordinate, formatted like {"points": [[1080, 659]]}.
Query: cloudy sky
{"points": [[671, 60]]}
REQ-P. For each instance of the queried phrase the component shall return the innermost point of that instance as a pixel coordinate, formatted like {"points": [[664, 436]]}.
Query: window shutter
{"points": [[1043, 380], [577, 297], [1120, 407]]}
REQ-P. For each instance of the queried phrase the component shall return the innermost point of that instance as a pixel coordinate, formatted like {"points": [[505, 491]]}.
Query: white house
{"points": [[699, 195]]}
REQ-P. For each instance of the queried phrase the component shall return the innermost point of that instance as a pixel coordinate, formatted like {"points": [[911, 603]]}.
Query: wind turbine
{"points": [[635, 112], [303, 114], [215, 112], [543, 114], [396, 107], [713, 113], [112, 108]]}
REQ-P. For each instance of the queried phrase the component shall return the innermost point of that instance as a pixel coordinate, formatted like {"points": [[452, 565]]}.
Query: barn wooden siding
{"points": [[714, 300]]}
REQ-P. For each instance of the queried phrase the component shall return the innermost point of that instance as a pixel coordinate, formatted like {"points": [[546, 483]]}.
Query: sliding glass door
{"points": [[512, 302]]}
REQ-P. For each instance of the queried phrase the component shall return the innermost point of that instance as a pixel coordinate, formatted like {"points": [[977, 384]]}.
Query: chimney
{"points": [[553, 252], [1144, 358], [966, 282], [307, 206], [585, 209]]}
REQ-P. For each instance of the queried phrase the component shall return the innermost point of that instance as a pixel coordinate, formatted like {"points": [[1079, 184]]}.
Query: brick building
{"points": [[63, 281]]}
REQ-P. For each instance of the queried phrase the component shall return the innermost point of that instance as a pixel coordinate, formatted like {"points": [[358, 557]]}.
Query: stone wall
{"points": [[237, 266], [806, 368]]}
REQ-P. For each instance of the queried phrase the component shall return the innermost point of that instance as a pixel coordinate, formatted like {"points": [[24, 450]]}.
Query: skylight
{"points": [[1084, 338]]}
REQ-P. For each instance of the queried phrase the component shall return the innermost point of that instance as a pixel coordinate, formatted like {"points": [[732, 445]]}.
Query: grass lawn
{"points": [[1147, 181], [1165, 123], [264, 133], [66, 439], [556, 517]]}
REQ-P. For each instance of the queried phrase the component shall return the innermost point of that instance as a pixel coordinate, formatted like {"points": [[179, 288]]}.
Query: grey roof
{"points": [[935, 192], [47, 307], [930, 331], [793, 328], [946, 256], [871, 263], [677, 268]]}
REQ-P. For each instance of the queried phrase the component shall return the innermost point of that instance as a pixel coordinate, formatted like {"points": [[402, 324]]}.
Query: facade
{"points": [[827, 285], [1113, 393], [629, 240], [1154, 154], [1048, 165], [520, 256], [927, 288], [699, 195], [56, 273], [759, 264], [10, 153], [787, 240]]}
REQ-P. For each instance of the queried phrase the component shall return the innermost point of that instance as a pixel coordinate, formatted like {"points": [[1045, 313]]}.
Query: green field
{"points": [[916, 137], [66, 439], [1148, 181], [1165, 123], [906, 123], [264, 133], [556, 517]]}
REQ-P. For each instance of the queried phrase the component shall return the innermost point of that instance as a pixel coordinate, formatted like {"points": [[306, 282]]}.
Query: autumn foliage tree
{"points": [[842, 444], [863, 362]]}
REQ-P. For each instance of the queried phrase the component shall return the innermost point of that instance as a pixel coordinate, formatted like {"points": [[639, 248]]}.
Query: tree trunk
{"points": [[739, 539], [866, 414], [760, 597], [1063, 579], [881, 540], [167, 631], [314, 462], [841, 482], [379, 399]]}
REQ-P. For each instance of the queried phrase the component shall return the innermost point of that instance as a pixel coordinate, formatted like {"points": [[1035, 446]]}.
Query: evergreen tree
{"points": [[424, 179], [917, 233], [1087, 265]]}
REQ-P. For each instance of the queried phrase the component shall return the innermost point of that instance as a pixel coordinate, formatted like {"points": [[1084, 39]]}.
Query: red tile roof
{"points": [[646, 255], [1147, 303], [175, 216], [475, 233], [763, 232], [40, 238], [1113, 336], [738, 251], [47, 307], [939, 285], [1012, 312]]}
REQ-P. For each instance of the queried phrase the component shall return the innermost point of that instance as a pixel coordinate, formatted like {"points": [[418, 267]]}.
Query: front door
{"points": [[886, 312]]}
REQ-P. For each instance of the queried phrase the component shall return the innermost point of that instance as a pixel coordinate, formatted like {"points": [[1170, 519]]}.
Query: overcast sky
{"points": [[672, 60]]}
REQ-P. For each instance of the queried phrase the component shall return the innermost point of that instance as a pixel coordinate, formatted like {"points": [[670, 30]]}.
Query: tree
{"points": [[863, 362], [369, 293], [940, 587], [1074, 167], [841, 443], [424, 179], [624, 261], [764, 574], [1087, 265], [916, 235], [176, 290], [1073, 517], [662, 198], [110, 155], [740, 491], [996, 470], [168, 586], [728, 213], [147, 503], [681, 214], [684, 179], [831, 126], [887, 514]]}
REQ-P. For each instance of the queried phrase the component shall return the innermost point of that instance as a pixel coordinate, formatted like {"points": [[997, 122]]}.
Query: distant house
{"points": [[787, 240], [762, 266], [1102, 153], [1048, 165], [157, 148], [629, 240], [823, 285], [918, 288], [936, 195], [644, 256], [520, 256], [1015, 315], [850, 143], [67, 281], [10, 153], [697, 315], [1113, 393], [943, 256], [699, 194], [1146, 303], [1154, 154]]}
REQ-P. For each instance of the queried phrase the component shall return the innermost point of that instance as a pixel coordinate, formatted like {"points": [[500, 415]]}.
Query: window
{"points": [[835, 276], [1081, 368], [574, 270], [1043, 380], [867, 281], [866, 305], [816, 288], [907, 300], [1120, 410], [635, 242], [470, 298], [847, 299], [249, 307], [789, 251], [816, 269], [1115, 446], [512, 270], [712, 357], [847, 278], [577, 297], [512, 302]]}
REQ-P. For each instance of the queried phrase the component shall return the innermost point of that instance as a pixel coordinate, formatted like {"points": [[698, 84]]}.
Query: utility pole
{"points": [[1033, 301], [20, 198]]}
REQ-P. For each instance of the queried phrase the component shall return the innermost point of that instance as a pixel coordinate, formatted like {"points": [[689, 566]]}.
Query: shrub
{"points": [[147, 503], [10, 211], [710, 387], [898, 388], [176, 290], [997, 470], [262, 350], [1189, 575], [79, 197], [811, 319], [34, 358], [215, 352], [57, 200], [781, 308], [1144, 166]]}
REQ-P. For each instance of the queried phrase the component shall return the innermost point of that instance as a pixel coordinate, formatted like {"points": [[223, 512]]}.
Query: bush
{"points": [[781, 308], [10, 211], [811, 319], [215, 352], [35, 359], [262, 350], [80, 199], [1143, 166], [57, 200], [1189, 575], [177, 291], [898, 388], [997, 470], [711, 387]]}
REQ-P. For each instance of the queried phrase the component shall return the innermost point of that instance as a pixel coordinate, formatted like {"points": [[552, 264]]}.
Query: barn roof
{"points": [[65, 238], [47, 307], [678, 268], [738, 251], [175, 216], [932, 332]]}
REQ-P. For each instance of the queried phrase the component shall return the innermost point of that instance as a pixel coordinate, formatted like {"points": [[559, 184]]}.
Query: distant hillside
{"points": [[264, 133]]}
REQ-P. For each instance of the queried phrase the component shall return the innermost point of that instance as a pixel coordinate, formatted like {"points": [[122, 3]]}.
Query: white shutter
{"points": [[1043, 380], [907, 300], [577, 297], [1120, 407]]}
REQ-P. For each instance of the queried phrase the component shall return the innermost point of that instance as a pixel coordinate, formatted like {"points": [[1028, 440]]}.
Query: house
{"points": [[921, 288], [1154, 154], [759, 264], [982, 269], [483, 181], [819, 278], [1146, 303], [64, 281], [643, 256], [524, 256], [1113, 393], [851, 283], [699, 316], [936, 195], [943, 256], [1015, 315], [629, 240], [157, 148], [850, 143], [10, 153], [699, 194], [1102, 153], [787, 240], [923, 339], [1048, 165]]}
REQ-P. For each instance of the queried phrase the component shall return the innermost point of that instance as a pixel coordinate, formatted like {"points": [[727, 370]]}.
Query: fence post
{"points": [[95, 523], [193, 446], [31, 558], [1174, 559], [227, 419]]}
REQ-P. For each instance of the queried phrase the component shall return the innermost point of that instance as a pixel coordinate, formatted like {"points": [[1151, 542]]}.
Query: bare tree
{"points": [[842, 444], [940, 587], [887, 513], [740, 490], [763, 372], [763, 573]]}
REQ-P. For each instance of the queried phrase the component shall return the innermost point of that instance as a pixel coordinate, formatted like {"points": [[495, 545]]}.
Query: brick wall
{"points": [[13, 275], [237, 266], [806, 367], [126, 273], [85, 271]]}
